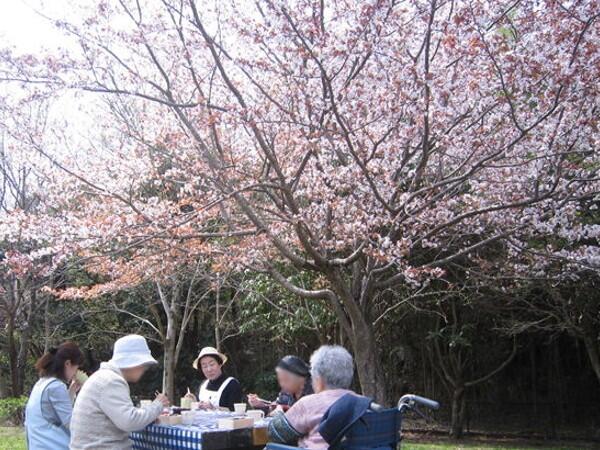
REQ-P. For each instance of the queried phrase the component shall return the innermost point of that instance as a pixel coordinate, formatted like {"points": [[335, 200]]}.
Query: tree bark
{"points": [[25, 340], [218, 317], [169, 363], [352, 309], [593, 350], [457, 422], [367, 358], [170, 340], [12, 357]]}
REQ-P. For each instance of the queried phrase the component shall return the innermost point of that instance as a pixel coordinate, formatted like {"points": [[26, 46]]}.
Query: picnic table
{"points": [[201, 436]]}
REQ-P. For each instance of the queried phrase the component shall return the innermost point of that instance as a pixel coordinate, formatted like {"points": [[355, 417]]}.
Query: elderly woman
{"points": [[50, 405], [218, 390], [332, 371], [104, 414], [293, 376]]}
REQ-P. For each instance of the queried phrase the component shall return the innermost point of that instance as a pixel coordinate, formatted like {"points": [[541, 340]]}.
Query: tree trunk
{"points": [[169, 340], [12, 358], [218, 317], [593, 350], [367, 358], [169, 361], [458, 412], [25, 341]]}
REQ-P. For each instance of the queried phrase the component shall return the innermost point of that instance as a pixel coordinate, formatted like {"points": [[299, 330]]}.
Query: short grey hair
{"points": [[333, 365]]}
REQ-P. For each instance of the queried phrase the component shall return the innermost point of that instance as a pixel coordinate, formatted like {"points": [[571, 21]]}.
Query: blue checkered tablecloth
{"points": [[158, 437]]}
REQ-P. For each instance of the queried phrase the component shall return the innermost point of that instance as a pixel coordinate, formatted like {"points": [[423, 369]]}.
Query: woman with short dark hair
{"points": [[50, 405], [293, 377], [332, 370]]}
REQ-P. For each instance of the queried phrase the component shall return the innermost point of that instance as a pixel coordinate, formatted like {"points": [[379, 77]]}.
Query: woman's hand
{"points": [[191, 396], [254, 401], [74, 388], [206, 405], [163, 399]]}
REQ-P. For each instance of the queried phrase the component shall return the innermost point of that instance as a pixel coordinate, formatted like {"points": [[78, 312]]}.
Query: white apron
{"points": [[212, 397]]}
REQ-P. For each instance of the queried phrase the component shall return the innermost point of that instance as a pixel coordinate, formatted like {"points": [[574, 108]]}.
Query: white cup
{"points": [[255, 414], [195, 405], [239, 408]]}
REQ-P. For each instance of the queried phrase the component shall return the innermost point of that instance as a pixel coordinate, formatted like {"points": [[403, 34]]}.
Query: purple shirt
{"points": [[306, 414]]}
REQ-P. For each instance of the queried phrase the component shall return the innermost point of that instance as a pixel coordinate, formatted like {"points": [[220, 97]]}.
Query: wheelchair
{"points": [[377, 429]]}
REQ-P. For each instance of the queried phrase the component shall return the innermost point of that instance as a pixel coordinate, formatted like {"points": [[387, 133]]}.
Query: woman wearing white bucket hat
{"points": [[218, 390], [104, 414]]}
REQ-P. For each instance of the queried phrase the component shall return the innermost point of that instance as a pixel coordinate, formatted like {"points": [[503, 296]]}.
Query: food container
{"points": [[175, 420], [234, 423], [256, 414], [164, 420], [169, 420]]}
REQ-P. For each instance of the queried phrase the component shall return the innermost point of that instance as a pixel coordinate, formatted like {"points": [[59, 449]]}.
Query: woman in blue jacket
{"points": [[50, 405]]}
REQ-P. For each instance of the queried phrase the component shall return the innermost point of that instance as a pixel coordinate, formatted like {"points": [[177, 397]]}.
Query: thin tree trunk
{"points": [[25, 341], [47, 321], [12, 357], [218, 317], [458, 412], [593, 350], [169, 363], [169, 341]]}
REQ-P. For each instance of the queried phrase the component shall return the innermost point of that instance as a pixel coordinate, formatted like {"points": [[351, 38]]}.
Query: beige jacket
{"points": [[104, 414]]}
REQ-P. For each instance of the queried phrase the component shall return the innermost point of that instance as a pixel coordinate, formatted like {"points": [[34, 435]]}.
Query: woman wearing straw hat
{"points": [[218, 390], [104, 414]]}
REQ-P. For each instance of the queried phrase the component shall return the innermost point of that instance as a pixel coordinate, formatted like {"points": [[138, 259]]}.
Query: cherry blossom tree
{"points": [[369, 142], [27, 258]]}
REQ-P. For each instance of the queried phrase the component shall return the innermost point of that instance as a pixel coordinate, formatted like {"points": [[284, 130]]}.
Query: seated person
{"points": [[104, 414], [50, 406], [218, 390], [293, 376], [332, 371]]}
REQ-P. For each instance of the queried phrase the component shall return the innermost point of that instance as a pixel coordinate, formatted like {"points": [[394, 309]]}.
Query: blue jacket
{"points": [[341, 416]]}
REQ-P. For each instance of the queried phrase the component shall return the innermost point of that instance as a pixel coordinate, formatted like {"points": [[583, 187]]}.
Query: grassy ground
{"points": [[476, 446], [415, 442], [12, 438]]}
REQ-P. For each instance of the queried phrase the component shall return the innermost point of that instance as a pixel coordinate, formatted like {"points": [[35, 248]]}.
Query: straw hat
{"points": [[131, 351], [209, 351]]}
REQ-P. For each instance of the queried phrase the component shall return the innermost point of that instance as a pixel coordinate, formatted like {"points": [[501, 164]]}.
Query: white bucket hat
{"points": [[131, 351], [209, 351]]}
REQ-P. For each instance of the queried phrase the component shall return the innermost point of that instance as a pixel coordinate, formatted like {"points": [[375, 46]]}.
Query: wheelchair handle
{"points": [[410, 399]]}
